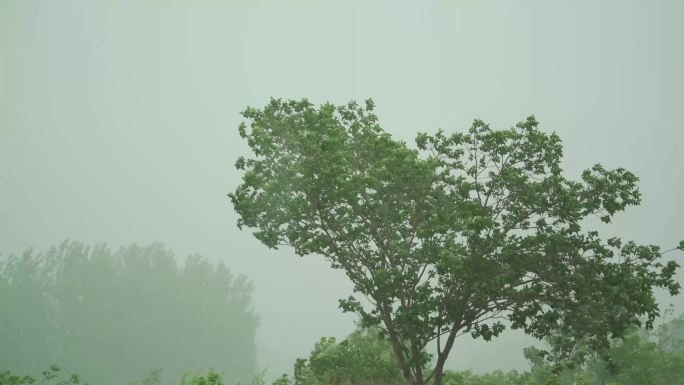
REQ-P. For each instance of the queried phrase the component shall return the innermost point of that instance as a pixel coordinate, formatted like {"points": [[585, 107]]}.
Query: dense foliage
{"points": [[362, 358], [111, 316], [641, 357], [467, 231]]}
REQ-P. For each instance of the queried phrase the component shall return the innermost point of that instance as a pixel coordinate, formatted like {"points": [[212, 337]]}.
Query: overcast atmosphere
{"points": [[119, 121]]}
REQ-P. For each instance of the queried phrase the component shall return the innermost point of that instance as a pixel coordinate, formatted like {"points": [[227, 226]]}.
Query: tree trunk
{"points": [[438, 376], [398, 353]]}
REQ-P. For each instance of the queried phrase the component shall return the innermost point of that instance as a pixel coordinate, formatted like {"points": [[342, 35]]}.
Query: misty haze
{"points": [[308, 193]]}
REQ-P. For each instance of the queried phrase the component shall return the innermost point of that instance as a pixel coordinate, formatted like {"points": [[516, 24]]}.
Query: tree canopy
{"points": [[466, 233]]}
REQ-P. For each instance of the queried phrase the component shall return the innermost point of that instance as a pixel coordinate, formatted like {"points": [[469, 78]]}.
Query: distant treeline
{"points": [[112, 316]]}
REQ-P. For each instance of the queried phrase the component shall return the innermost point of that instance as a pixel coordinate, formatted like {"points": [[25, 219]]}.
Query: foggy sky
{"points": [[118, 119]]}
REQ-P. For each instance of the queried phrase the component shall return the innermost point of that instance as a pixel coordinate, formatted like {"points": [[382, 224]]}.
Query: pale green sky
{"points": [[118, 119]]}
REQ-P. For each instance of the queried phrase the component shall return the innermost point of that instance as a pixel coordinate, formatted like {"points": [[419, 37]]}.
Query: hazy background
{"points": [[118, 119]]}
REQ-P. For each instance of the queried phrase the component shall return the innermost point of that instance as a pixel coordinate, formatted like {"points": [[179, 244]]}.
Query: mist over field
{"points": [[119, 126]]}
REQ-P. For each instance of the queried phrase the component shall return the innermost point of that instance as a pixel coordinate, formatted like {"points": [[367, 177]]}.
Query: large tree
{"points": [[466, 231]]}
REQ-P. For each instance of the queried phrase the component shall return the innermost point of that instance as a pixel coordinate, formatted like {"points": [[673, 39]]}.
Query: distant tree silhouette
{"points": [[112, 316]]}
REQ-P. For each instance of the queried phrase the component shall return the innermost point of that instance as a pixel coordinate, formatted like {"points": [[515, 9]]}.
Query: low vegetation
{"points": [[364, 358]]}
